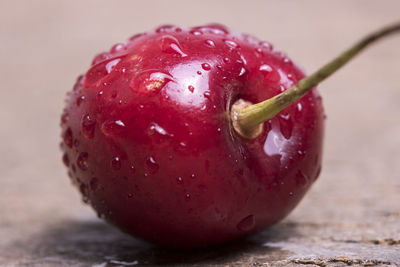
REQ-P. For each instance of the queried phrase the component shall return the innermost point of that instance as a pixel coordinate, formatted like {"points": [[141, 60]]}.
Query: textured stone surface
{"points": [[350, 217]]}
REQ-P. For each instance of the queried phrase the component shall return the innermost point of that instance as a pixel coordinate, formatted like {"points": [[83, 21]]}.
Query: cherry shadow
{"points": [[95, 243]]}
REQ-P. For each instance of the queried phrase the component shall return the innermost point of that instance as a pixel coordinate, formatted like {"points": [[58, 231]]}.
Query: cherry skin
{"points": [[148, 139]]}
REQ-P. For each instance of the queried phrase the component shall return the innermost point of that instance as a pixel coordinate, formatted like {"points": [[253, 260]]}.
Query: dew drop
{"points": [[286, 125], [136, 36], [242, 72], [64, 117], [68, 138], [113, 128], [149, 81], [82, 161], [100, 57], [206, 66], [231, 44], [209, 43], [226, 60], [180, 180], [117, 48], [152, 165], [94, 184], [111, 65], [116, 163], [191, 88], [269, 73], [195, 32], [83, 190], [246, 223], [88, 126], [65, 159], [132, 169], [79, 100], [301, 179], [169, 44], [214, 28], [207, 94], [155, 128], [199, 72], [193, 176], [165, 28], [130, 195], [266, 45], [187, 197]]}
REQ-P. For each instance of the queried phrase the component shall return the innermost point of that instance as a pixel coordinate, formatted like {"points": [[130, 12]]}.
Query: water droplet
{"points": [[266, 45], [286, 125], [195, 32], [149, 81], [130, 195], [269, 73], [169, 44], [226, 60], [301, 179], [209, 43], [291, 194], [193, 176], [182, 144], [88, 126], [132, 169], [113, 128], [199, 72], [136, 36], [100, 70], [242, 72], [79, 100], [83, 190], [100, 57], [94, 184], [154, 127], [206, 66], [68, 138], [219, 130], [65, 159], [64, 117], [117, 48], [165, 28], [213, 28], [180, 180], [231, 44], [76, 143], [152, 165], [191, 88], [82, 161], [187, 197], [207, 94], [116, 163], [246, 223], [110, 65]]}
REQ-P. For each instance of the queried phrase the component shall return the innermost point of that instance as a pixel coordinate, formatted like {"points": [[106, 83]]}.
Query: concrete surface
{"points": [[350, 217]]}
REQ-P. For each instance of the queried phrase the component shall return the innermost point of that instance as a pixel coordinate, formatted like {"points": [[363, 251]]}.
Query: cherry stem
{"points": [[247, 120]]}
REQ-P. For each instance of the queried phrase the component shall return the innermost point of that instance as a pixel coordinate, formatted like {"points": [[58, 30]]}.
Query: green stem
{"points": [[249, 118]]}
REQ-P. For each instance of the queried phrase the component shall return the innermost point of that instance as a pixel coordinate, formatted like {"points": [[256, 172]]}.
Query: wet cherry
{"points": [[170, 147]]}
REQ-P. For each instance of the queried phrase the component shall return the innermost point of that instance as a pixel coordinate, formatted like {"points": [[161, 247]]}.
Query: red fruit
{"points": [[156, 153]]}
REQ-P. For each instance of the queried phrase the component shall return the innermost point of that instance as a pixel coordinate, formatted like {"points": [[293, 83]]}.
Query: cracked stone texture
{"points": [[351, 216]]}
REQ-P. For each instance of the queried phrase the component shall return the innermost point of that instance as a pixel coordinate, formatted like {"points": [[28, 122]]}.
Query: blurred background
{"points": [[45, 45]]}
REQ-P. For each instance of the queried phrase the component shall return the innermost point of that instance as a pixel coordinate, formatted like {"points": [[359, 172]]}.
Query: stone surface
{"points": [[350, 217]]}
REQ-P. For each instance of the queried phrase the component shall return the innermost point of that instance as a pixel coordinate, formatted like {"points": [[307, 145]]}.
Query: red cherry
{"points": [[169, 146]]}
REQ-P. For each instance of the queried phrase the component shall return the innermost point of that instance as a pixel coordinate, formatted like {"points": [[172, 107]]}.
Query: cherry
{"points": [[162, 136]]}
